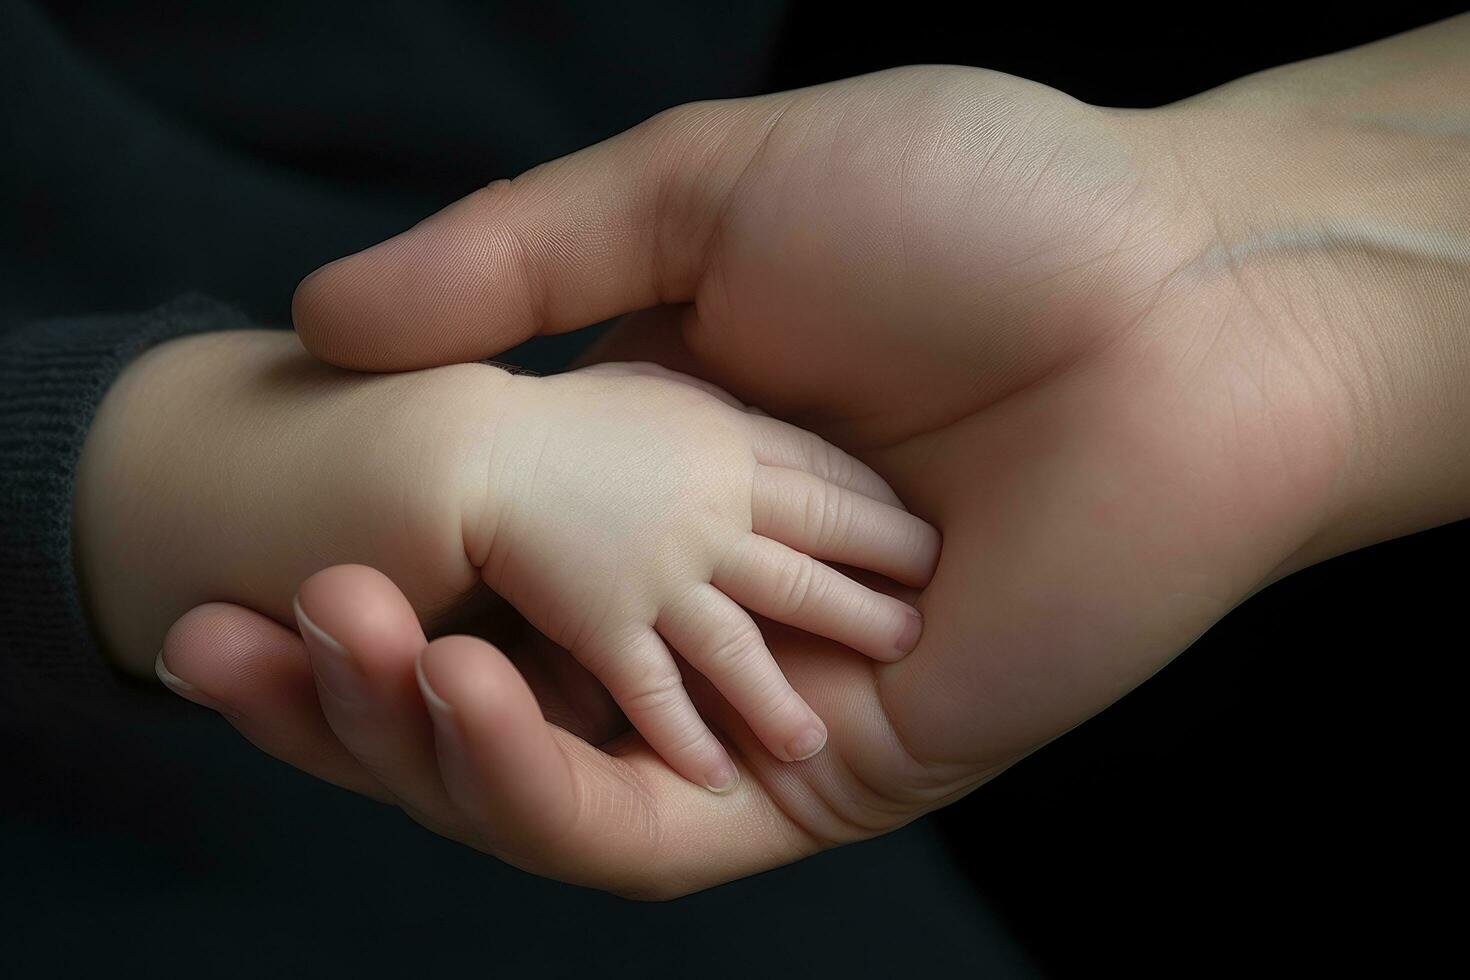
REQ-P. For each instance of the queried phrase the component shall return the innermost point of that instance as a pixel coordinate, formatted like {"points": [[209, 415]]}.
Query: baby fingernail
{"points": [[722, 778], [807, 744], [908, 637]]}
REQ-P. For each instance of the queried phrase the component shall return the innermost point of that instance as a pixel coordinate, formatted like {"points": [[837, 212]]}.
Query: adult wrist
{"points": [[1331, 203]]}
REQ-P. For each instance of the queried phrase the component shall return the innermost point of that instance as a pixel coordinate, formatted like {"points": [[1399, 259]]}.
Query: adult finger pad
{"points": [[231, 652], [360, 608], [449, 289]]}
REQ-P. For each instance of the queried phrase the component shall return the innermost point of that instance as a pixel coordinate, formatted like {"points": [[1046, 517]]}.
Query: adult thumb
{"points": [[620, 226]]}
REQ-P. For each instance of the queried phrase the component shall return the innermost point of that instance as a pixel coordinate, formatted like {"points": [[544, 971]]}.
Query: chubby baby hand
{"points": [[628, 512], [631, 511]]}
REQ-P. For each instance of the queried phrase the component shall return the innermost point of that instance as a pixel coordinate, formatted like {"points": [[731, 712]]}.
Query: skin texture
{"points": [[1133, 365], [624, 510]]}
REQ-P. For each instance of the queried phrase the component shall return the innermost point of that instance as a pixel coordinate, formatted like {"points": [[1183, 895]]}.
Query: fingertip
{"points": [[934, 542], [256, 673], [352, 311], [314, 318], [215, 650], [432, 698], [497, 754], [909, 633], [723, 779], [808, 743], [358, 608], [930, 549], [446, 290], [187, 690], [304, 298], [464, 673]]}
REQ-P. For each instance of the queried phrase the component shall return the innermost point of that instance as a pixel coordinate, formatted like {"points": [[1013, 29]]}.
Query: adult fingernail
{"points": [[807, 744], [186, 690], [333, 665], [908, 637], [437, 704], [447, 736]]}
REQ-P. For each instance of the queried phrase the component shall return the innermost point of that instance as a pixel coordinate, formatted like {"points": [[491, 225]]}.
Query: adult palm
{"points": [[1032, 316]]}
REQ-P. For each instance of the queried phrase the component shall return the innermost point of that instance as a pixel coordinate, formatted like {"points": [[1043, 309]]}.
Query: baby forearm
{"points": [[229, 467]]}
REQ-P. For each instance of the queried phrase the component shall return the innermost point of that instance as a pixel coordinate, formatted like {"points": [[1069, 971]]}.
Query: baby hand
{"points": [[620, 508], [631, 510]]}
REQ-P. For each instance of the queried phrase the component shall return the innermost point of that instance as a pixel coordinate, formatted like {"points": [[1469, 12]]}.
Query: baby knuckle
{"points": [[818, 454], [735, 649], [684, 739], [839, 516], [656, 694], [794, 585], [774, 701], [816, 514], [842, 468], [926, 543], [888, 614]]}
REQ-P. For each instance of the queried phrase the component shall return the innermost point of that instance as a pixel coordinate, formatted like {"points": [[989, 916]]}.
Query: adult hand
{"points": [[1134, 365]]}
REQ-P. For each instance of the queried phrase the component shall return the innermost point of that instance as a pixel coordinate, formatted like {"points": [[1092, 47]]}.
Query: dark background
{"points": [[1281, 794]]}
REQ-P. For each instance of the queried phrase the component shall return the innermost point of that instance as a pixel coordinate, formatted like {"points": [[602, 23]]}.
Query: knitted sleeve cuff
{"points": [[53, 375]]}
